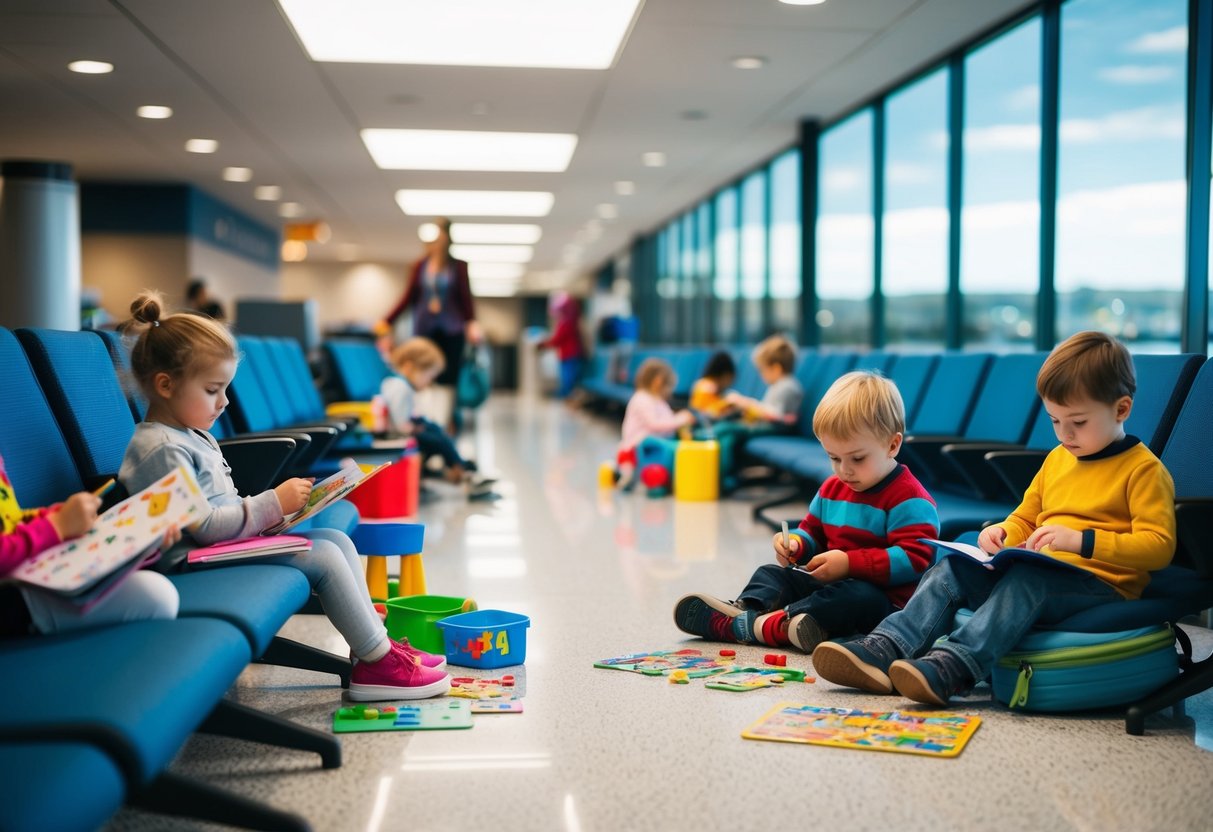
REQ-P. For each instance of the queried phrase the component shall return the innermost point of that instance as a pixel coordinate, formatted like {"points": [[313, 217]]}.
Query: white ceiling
{"points": [[233, 70]]}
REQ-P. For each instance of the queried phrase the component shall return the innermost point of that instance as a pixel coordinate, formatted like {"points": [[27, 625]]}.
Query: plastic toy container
{"points": [[393, 492], [414, 616], [486, 638]]}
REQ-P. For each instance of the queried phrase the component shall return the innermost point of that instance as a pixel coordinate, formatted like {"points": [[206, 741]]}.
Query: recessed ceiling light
{"points": [[508, 233], [268, 193], [154, 111], [518, 33], [803, 2], [653, 159], [202, 145], [91, 67], [749, 62], [427, 232], [492, 254], [625, 187], [495, 271], [470, 150], [608, 211], [475, 203], [290, 209], [237, 174], [294, 251]]}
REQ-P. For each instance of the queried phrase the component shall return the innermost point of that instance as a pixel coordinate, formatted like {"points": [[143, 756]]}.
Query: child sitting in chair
{"points": [[857, 554], [710, 392], [1101, 503], [418, 361]]}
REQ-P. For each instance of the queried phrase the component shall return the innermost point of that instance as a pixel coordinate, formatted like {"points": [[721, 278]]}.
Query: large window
{"points": [[1121, 189], [668, 284], [845, 233], [726, 277], [753, 253], [786, 280], [687, 282], [914, 262], [1000, 221], [703, 330]]}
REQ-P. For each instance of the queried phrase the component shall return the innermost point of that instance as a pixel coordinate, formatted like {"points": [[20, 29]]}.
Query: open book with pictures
{"points": [[999, 560], [120, 541], [325, 493]]}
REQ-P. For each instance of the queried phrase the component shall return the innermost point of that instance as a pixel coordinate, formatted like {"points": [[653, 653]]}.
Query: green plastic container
{"points": [[413, 617]]}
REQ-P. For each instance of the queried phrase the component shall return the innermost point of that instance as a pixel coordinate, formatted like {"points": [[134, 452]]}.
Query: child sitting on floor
{"points": [[418, 361], [649, 417], [1101, 503], [856, 556]]}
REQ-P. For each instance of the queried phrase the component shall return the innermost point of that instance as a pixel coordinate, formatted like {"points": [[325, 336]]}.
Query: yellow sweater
{"points": [[1121, 499], [706, 398]]}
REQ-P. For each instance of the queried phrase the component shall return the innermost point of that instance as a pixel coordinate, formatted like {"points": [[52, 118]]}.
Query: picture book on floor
{"points": [[250, 547], [932, 734], [1000, 560], [325, 493], [121, 539], [662, 662]]}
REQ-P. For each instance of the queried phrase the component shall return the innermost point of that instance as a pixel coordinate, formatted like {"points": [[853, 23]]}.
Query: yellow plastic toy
{"points": [[697, 471]]}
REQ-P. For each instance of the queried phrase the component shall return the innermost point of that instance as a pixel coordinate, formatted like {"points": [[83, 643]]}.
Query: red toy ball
{"points": [[655, 476]]}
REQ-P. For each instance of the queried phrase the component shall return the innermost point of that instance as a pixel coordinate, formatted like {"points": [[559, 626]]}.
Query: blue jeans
{"points": [[1005, 606], [841, 608], [432, 439], [570, 374]]}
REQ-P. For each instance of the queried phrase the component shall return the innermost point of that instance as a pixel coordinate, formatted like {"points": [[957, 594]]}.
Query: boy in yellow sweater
{"points": [[1101, 503]]}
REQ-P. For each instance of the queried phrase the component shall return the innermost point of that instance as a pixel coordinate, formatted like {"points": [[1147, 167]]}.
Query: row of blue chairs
{"points": [[976, 436], [99, 714]]}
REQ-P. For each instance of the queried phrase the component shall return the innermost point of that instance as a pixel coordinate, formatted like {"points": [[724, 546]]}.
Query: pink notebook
{"points": [[250, 547]]}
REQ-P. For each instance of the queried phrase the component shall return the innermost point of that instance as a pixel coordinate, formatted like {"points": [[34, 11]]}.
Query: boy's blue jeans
{"points": [[431, 439], [1005, 606], [841, 608]]}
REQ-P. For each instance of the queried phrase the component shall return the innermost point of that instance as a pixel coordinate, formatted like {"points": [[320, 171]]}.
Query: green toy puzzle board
{"points": [[662, 662], [743, 679], [933, 734], [435, 715]]}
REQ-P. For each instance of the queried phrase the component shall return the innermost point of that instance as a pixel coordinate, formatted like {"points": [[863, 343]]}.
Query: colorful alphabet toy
{"points": [[932, 734], [431, 715]]}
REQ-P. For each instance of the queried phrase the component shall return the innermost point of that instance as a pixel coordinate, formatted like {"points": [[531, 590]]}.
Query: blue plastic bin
{"points": [[485, 638]]}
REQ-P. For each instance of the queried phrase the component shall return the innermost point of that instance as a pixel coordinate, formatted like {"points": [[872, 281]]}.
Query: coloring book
{"points": [[250, 547], [127, 533], [325, 493], [906, 732]]}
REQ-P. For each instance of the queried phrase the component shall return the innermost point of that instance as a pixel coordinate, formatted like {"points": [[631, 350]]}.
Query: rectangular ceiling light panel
{"points": [[492, 254], [548, 34], [519, 233], [475, 203], [469, 150]]}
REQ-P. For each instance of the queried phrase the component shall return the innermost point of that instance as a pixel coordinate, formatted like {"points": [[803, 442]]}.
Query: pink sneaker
{"points": [[430, 660], [396, 676]]}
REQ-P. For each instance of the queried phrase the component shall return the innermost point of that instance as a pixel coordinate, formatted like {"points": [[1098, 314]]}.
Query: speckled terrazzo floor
{"points": [[603, 750]]}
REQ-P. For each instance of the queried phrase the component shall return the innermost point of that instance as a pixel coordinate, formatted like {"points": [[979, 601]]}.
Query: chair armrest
{"points": [[256, 461], [969, 459], [1016, 468], [322, 437], [1194, 534], [923, 453]]}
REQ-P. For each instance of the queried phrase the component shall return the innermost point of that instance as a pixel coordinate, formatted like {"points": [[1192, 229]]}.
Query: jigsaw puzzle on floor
{"points": [[431, 715], [744, 679], [662, 662], [489, 696], [929, 733]]}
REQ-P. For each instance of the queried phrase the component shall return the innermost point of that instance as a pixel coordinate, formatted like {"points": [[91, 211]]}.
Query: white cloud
{"points": [[908, 173], [1136, 74], [1025, 98], [1156, 43], [843, 179], [1002, 137], [1125, 125]]}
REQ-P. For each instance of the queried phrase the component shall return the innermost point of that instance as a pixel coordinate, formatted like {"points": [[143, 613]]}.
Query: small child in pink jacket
{"points": [[649, 415]]}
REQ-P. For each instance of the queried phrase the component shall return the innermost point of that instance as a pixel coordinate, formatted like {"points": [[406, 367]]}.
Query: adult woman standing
{"points": [[440, 295]]}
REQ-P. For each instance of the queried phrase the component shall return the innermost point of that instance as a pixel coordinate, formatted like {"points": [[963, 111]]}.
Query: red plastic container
{"points": [[393, 492]]}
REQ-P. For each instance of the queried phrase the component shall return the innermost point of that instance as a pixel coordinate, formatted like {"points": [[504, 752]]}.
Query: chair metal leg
{"points": [[1194, 680], [172, 794], [231, 719], [759, 512], [286, 653]]}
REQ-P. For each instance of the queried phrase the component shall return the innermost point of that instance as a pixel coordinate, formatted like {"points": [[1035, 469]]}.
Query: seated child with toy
{"points": [[418, 361], [710, 392], [648, 416], [27, 533], [856, 556], [1101, 503], [776, 412]]}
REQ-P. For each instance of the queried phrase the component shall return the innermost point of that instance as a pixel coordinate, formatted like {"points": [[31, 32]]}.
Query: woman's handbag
{"points": [[472, 386]]}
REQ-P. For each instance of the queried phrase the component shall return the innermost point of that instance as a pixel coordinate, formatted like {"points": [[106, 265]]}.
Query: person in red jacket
{"points": [[440, 296], [566, 340]]}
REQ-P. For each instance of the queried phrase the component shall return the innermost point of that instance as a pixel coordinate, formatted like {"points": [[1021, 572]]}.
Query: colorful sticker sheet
{"points": [[933, 734]]}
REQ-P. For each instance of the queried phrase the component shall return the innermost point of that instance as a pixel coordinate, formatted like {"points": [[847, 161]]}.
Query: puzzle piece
{"points": [[663, 662], [430, 715], [745, 679]]}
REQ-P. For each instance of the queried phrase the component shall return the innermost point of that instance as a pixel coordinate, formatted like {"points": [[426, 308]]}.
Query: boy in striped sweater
{"points": [[857, 554]]}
